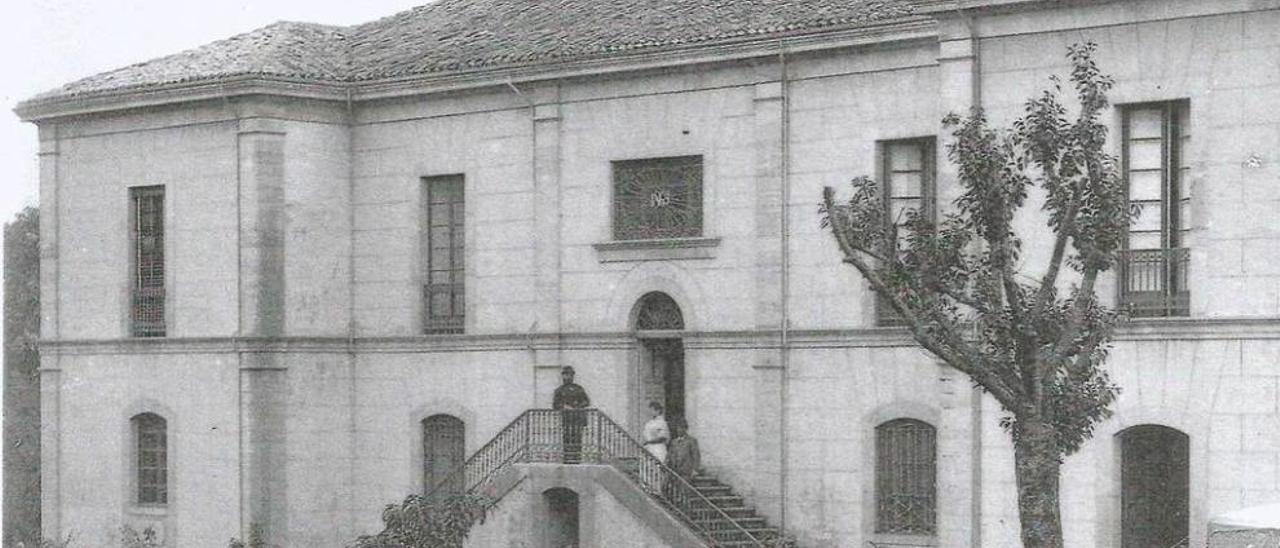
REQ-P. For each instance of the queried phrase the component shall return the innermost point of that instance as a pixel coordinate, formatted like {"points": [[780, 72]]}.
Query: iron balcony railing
{"points": [[148, 311], [1153, 282], [545, 436]]}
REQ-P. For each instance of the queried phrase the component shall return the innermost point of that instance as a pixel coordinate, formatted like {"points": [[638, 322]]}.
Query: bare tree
{"points": [[1037, 342]]}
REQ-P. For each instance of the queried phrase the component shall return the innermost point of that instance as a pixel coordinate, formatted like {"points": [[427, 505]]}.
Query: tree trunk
{"points": [[1037, 467]]}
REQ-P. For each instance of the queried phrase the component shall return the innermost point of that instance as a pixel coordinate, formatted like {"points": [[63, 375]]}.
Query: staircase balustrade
{"points": [[548, 436]]}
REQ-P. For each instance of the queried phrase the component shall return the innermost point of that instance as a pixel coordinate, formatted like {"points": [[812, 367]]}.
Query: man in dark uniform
{"points": [[571, 400]]}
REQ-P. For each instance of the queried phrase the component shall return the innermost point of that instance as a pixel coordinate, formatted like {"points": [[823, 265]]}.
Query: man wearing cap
{"points": [[570, 399]]}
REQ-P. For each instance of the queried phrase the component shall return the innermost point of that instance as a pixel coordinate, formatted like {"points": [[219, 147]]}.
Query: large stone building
{"points": [[293, 276]]}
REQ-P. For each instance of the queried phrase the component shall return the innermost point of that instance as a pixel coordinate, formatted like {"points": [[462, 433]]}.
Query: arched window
{"points": [[1154, 486], [443, 452], [658, 311], [906, 471], [151, 447]]}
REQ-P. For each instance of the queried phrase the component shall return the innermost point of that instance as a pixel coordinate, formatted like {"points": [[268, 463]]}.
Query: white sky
{"points": [[51, 42], [47, 43]]}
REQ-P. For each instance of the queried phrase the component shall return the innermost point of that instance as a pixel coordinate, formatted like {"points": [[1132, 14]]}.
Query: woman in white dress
{"points": [[656, 433]]}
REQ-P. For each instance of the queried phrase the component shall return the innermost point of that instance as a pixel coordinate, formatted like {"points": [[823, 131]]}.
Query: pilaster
{"points": [[263, 381], [262, 225], [769, 105], [959, 440], [50, 449], [545, 113], [50, 328]]}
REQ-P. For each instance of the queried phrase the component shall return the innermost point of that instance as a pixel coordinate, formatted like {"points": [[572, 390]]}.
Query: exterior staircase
{"points": [[755, 530], [707, 506]]}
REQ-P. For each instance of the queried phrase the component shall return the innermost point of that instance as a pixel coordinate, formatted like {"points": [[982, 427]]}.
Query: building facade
{"points": [[293, 276]]}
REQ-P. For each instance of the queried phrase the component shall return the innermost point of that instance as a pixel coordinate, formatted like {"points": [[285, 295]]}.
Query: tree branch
{"points": [[953, 349]]}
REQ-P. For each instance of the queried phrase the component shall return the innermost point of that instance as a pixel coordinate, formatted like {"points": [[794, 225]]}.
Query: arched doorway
{"points": [[443, 451], [1154, 487], [659, 326]]}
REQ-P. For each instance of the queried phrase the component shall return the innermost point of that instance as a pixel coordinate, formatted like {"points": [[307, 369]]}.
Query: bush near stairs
{"points": [[422, 523]]}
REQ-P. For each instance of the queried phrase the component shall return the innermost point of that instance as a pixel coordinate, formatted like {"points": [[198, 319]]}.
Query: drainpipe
{"points": [[531, 340], [785, 357]]}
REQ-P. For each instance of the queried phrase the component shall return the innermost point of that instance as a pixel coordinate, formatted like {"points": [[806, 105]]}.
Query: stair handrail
{"points": [[666, 476], [459, 474]]}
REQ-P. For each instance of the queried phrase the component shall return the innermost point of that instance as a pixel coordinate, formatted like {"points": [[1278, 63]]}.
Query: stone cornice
{"points": [[1170, 329], [909, 29], [182, 92]]}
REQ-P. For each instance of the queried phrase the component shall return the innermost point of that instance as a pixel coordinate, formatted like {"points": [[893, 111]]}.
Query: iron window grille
{"points": [[907, 176], [153, 459], [1153, 266], [147, 295], [444, 255], [906, 483], [657, 198], [658, 311]]}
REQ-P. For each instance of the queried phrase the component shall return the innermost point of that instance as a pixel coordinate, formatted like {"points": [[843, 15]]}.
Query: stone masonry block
{"points": [[1261, 433], [1238, 394], [1261, 358]]}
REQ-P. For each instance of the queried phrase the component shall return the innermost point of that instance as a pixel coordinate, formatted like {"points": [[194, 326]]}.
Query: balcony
{"points": [[148, 311], [1153, 283]]}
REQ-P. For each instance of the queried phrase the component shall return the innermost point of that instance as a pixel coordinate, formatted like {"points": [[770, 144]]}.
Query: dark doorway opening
{"points": [[562, 522], [665, 360], [1155, 485], [659, 326]]}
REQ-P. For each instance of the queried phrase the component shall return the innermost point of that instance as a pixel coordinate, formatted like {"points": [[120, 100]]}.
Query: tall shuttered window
{"points": [[1153, 272], [146, 222], [906, 471], [152, 466], [907, 173], [443, 252]]}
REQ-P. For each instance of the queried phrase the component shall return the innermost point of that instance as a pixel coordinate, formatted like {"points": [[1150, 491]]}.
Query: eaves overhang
{"points": [[916, 28]]}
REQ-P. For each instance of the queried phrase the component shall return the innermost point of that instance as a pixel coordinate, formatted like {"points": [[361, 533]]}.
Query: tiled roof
{"points": [[454, 35], [297, 50]]}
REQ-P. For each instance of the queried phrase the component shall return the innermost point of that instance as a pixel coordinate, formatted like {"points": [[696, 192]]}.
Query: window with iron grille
{"points": [[146, 222], [151, 447], [657, 198], [443, 254], [1153, 268], [443, 451], [906, 468], [907, 174]]}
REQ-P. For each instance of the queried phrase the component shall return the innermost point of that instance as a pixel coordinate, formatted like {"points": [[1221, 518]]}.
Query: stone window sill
{"points": [[665, 249], [152, 510], [886, 540]]}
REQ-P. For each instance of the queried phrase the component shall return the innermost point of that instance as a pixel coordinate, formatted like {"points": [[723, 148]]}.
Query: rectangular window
{"points": [[657, 198], [1153, 269], [443, 254], [907, 174], [146, 221]]}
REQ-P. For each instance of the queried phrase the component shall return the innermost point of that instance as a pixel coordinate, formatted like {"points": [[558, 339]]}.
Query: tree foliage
{"points": [[22, 379], [421, 522], [1034, 339]]}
